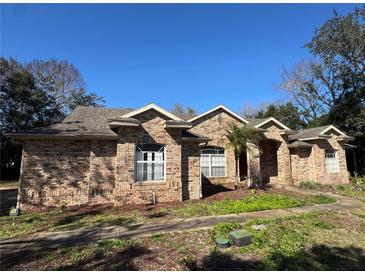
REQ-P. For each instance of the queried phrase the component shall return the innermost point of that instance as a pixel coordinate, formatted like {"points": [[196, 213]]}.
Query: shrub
{"points": [[358, 180]]}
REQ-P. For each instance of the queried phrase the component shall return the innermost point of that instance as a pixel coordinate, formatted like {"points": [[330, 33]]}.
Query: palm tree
{"points": [[238, 139]]}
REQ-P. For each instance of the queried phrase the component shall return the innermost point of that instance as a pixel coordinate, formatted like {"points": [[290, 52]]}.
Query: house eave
{"points": [[197, 140], [288, 132], [177, 125], [345, 138], [28, 136]]}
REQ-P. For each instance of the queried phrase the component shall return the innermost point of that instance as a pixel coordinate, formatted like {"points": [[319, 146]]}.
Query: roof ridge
{"points": [[94, 107]]}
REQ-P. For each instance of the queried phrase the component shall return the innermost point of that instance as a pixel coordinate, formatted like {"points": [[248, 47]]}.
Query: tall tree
{"points": [[36, 94], [181, 109], [64, 82], [287, 113], [330, 88], [23, 105]]}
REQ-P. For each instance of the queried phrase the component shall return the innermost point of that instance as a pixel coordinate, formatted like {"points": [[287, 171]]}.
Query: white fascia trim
{"points": [[334, 128], [272, 119], [155, 107], [313, 138], [218, 107]]}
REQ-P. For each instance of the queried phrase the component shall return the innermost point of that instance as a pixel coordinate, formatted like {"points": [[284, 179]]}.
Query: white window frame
{"points": [[210, 163], [150, 162], [332, 162]]}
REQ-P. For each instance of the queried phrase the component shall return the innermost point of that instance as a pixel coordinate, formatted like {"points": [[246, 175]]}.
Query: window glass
{"points": [[213, 161], [150, 164], [331, 162]]}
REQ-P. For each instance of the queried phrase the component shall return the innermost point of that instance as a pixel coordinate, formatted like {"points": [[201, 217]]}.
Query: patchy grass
{"points": [[223, 229], [250, 203], [311, 241], [68, 218], [57, 220], [356, 189]]}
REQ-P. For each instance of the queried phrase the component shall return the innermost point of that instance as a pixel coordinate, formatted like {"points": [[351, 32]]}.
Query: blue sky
{"points": [[200, 55]]}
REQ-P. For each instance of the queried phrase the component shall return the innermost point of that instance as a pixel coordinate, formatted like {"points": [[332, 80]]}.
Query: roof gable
{"points": [[317, 133], [223, 108], [271, 119], [154, 107], [332, 128]]}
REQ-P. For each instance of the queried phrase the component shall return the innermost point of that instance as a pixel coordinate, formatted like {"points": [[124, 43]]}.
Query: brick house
{"points": [[124, 156]]}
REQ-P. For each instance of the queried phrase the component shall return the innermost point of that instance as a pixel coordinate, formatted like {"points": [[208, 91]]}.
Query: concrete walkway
{"points": [[49, 240]]}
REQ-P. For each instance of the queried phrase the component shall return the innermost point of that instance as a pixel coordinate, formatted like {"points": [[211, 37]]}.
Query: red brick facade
{"points": [[75, 172]]}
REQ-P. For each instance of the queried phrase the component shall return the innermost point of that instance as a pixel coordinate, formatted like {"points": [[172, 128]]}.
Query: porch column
{"points": [[253, 165]]}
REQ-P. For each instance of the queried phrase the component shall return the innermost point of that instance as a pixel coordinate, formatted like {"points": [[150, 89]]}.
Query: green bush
{"points": [[358, 180]]}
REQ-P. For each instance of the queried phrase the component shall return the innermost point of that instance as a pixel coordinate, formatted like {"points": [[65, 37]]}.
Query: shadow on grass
{"points": [[320, 257], [77, 217], [119, 260], [78, 220], [157, 215]]}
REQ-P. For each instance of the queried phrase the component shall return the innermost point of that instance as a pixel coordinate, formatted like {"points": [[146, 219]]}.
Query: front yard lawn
{"points": [[356, 188], [223, 203], [311, 241]]}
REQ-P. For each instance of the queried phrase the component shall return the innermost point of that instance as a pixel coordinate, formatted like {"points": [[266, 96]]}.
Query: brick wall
{"points": [[320, 173], [152, 130], [213, 126], [302, 165], [190, 171], [280, 141], [55, 172], [309, 164], [69, 172], [102, 171]]}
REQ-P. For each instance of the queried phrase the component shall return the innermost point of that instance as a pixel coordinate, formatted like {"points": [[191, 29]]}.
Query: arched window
{"points": [[213, 161], [150, 160]]}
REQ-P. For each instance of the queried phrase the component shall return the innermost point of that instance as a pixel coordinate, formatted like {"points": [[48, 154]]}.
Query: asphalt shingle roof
{"points": [[83, 121], [308, 133], [255, 121]]}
